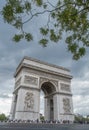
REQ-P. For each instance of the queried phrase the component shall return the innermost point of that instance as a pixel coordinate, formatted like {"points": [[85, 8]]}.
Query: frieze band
{"points": [[65, 87], [30, 80]]}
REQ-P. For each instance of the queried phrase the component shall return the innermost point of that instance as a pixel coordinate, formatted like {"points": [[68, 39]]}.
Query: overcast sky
{"points": [[12, 53]]}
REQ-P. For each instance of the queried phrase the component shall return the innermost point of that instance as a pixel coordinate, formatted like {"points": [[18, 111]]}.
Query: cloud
{"points": [[80, 87], [5, 105], [12, 53], [5, 95], [6, 85], [80, 90], [81, 104]]}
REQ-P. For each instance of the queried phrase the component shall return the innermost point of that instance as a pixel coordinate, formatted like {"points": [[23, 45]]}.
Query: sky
{"points": [[11, 54]]}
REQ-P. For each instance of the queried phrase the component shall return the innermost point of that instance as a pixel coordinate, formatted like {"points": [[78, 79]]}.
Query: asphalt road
{"points": [[28, 126]]}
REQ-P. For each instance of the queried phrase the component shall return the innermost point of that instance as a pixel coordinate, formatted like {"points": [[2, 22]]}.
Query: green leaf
{"points": [[44, 31], [73, 47], [76, 56], [44, 6], [27, 6], [18, 23], [7, 13], [53, 36], [39, 2], [28, 37], [82, 51], [69, 40], [43, 42], [53, 15], [18, 37], [19, 9]]}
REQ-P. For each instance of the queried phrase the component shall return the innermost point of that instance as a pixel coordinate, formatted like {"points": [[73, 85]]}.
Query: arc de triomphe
{"points": [[31, 77]]}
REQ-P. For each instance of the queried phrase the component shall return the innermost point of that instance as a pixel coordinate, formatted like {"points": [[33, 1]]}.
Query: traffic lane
{"points": [[46, 127]]}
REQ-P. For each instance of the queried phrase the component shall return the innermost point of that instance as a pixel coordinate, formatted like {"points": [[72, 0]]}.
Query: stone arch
{"points": [[48, 88], [33, 75], [53, 83], [49, 91]]}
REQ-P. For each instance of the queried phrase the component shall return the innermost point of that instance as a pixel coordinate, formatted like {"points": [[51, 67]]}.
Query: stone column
{"points": [[13, 107], [56, 107], [45, 109], [28, 104]]}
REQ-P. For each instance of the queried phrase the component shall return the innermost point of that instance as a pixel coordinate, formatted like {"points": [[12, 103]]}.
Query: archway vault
{"points": [[48, 88], [50, 84]]}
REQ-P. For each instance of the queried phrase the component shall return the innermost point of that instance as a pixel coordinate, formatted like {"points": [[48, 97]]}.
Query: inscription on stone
{"points": [[30, 80], [65, 87], [66, 105], [29, 101]]}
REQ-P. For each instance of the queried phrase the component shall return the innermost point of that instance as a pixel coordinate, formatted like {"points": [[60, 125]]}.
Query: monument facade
{"points": [[31, 77]]}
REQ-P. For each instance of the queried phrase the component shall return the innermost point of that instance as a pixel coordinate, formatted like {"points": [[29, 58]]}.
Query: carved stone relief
{"points": [[66, 105], [65, 87], [30, 80], [40, 73], [29, 101]]}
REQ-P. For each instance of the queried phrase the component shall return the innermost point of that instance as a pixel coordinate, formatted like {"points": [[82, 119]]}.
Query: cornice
{"points": [[45, 63], [24, 65]]}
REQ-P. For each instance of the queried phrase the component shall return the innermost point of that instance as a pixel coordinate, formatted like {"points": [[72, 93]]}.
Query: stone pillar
{"points": [[45, 109], [56, 107], [27, 104], [49, 108], [13, 107]]}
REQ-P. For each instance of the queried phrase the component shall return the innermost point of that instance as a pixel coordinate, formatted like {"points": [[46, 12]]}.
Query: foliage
{"points": [[81, 119], [2, 117], [42, 117], [66, 16]]}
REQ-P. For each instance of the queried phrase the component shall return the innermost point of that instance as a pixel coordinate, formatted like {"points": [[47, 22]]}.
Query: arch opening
{"points": [[47, 91], [48, 88]]}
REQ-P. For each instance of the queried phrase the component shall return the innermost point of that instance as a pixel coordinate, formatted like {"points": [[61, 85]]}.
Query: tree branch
{"points": [[38, 13], [84, 9], [46, 11]]}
